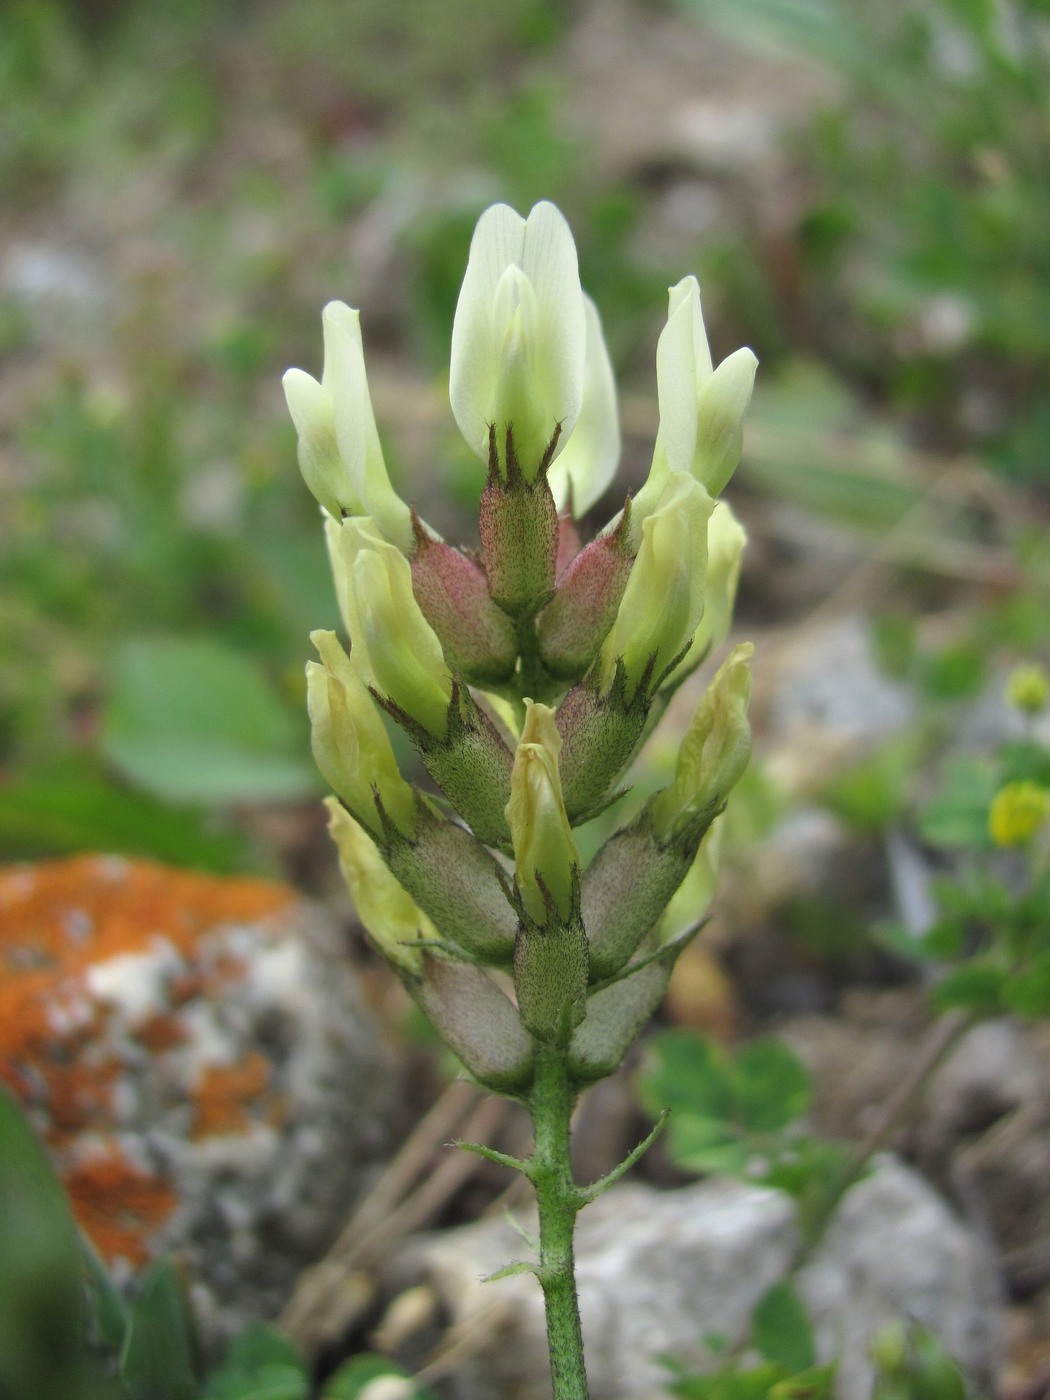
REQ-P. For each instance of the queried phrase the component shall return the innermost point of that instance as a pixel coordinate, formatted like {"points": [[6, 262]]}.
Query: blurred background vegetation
{"points": [[861, 187]]}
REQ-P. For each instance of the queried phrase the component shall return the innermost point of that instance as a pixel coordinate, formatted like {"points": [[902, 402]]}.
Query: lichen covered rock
{"points": [[194, 1052]]}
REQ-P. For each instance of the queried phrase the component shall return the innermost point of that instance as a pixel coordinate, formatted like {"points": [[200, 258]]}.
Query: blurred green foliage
{"points": [[920, 251], [741, 1114], [279, 155], [161, 557]]}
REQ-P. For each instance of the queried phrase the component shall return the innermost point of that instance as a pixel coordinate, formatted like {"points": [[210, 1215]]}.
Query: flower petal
{"points": [[589, 459]]}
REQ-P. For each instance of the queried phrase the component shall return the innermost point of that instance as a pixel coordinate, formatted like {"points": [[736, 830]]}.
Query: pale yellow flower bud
{"points": [[1017, 812], [392, 919], [1028, 689], [350, 744], [394, 648], [714, 751], [692, 899], [539, 828], [664, 599], [726, 538]]}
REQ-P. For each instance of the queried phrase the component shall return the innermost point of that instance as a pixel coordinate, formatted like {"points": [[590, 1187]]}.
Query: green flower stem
{"points": [[559, 1199]]}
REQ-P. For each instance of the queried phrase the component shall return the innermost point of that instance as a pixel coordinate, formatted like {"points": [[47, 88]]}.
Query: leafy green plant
{"points": [[781, 1333], [990, 940], [740, 1115], [925, 231]]}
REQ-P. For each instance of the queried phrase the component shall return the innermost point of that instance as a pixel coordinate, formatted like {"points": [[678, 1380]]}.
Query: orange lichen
{"points": [[225, 1093], [160, 1032], [59, 920], [118, 1206], [60, 917], [79, 1096]]}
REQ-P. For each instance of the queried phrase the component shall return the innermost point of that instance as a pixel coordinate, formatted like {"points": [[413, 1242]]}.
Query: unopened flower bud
{"points": [[472, 766], [477, 1021], [454, 878], [576, 621], [518, 524], [339, 450], [692, 899], [714, 751], [1017, 812], [394, 648], [477, 637], [519, 340], [1028, 689], [664, 598], [545, 854], [614, 1018], [625, 890], [350, 744], [391, 918], [600, 734]]}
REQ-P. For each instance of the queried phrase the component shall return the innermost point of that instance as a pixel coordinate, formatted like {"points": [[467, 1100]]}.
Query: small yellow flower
{"points": [[1017, 812], [1028, 689]]}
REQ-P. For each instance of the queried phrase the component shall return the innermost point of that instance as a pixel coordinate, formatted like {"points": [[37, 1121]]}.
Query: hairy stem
{"points": [[559, 1200]]}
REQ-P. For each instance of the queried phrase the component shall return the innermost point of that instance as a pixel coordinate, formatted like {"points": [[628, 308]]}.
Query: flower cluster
{"points": [[527, 674]]}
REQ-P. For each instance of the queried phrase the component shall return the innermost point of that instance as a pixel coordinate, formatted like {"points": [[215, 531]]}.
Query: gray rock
{"points": [[197, 1056], [832, 682], [896, 1250], [659, 1271]]}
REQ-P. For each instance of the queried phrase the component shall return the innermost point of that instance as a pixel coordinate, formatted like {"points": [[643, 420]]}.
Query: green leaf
{"points": [[157, 1363], [980, 987], [260, 1364], [781, 1330], [872, 793], [108, 1314], [730, 1383], [897, 937], [954, 673], [1028, 992], [770, 1086], [707, 1146], [957, 817], [811, 1171], [687, 1074], [818, 1383], [41, 1314], [191, 721], [73, 807]]}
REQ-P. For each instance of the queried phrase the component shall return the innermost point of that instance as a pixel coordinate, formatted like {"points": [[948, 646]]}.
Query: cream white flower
{"points": [[588, 462], [519, 338], [726, 538], [340, 455], [664, 599], [350, 743], [701, 408], [392, 646]]}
